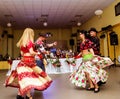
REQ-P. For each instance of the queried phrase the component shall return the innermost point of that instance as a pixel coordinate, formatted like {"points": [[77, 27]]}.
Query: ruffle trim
{"points": [[26, 89], [40, 88]]}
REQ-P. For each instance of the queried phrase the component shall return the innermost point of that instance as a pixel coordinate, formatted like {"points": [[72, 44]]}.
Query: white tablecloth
{"points": [[13, 66], [64, 68], [50, 69]]}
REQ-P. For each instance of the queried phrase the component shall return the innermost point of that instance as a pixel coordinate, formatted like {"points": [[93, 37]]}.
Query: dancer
{"points": [[27, 76], [96, 47], [41, 48], [88, 69], [96, 42]]}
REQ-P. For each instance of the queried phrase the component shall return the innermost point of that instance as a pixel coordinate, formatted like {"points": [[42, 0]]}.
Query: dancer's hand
{"points": [[55, 43]]}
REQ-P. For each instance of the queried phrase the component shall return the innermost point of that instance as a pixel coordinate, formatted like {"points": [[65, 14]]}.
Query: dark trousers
{"points": [[40, 64]]}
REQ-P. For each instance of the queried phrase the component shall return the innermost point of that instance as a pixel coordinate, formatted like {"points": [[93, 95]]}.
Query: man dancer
{"points": [[96, 42], [41, 48]]}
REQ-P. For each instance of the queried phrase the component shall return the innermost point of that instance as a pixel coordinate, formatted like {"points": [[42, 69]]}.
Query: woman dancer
{"points": [[88, 69], [27, 75]]}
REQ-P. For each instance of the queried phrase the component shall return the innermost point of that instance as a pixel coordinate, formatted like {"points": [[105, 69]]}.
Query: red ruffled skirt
{"points": [[28, 76]]}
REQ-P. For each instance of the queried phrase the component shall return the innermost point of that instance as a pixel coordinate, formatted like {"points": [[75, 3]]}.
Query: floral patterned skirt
{"points": [[102, 62], [78, 77], [28, 76]]}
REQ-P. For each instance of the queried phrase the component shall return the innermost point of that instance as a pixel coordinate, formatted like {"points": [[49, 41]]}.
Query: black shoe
{"points": [[19, 97], [100, 83], [90, 89], [96, 90], [27, 97], [103, 82]]}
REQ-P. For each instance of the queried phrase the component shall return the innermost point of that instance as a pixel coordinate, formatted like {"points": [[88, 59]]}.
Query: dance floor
{"points": [[61, 88]]}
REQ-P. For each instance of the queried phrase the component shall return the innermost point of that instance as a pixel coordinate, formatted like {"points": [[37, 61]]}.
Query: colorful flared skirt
{"points": [[93, 65], [28, 76]]}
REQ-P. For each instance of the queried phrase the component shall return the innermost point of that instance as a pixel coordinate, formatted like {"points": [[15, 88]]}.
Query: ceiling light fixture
{"points": [[9, 24], [79, 24], [49, 34], [98, 12], [78, 19], [9, 20], [45, 24], [45, 18]]}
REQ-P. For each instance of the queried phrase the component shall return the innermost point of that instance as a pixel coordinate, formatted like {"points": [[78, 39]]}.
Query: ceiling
{"points": [[57, 13]]}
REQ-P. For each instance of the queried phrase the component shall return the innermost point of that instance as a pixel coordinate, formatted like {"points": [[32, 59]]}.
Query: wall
{"points": [[108, 18], [116, 28], [1, 40], [6, 46], [58, 35]]}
